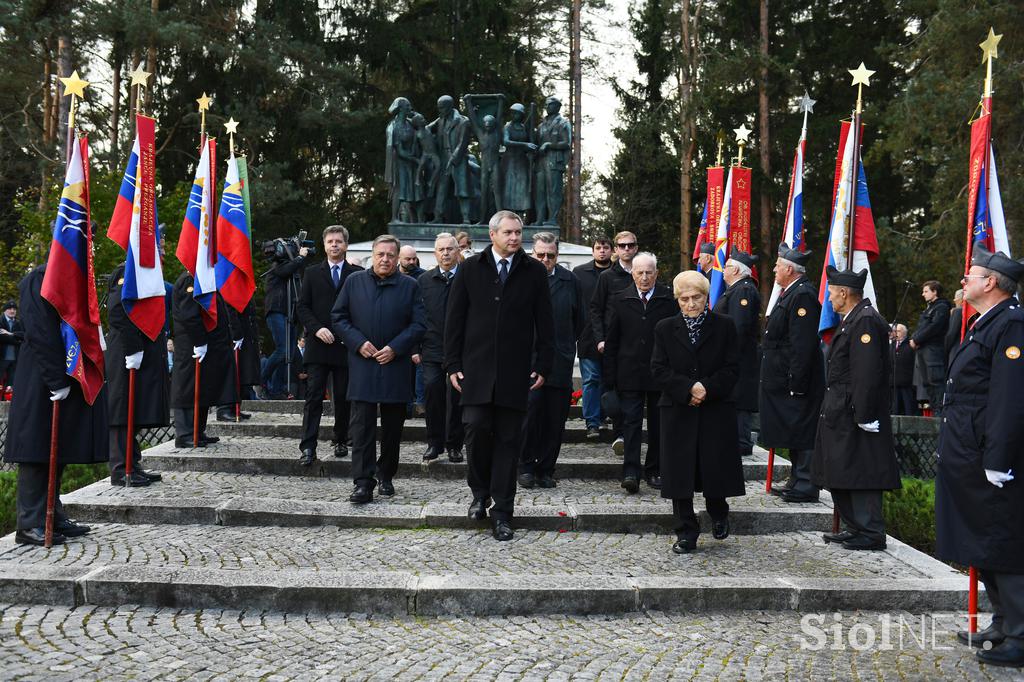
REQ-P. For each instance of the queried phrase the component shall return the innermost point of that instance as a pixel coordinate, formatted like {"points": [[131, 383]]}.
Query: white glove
{"points": [[199, 352], [133, 361], [64, 392], [998, 478], [870, 427], [238, 344]]}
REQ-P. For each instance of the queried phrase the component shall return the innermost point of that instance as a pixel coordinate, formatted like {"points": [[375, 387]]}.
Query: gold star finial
{"points": [[74, 85], [231, 126], [990, 48], [742, 134], [861, 75], [204, 102], [140, 77]]}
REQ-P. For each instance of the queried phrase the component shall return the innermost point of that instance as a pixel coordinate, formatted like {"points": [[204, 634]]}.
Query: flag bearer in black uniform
{"points": [[248, 347]]}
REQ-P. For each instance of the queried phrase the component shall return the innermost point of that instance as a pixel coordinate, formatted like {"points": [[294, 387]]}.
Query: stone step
{"points": [[212, 498], [279, 457], [295, 407], [465, 572]]}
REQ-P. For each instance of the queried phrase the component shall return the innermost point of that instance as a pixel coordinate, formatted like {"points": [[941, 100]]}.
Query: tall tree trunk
{"points": [[154, 7], [44, 173], [688, 24], [117, 62], [63, 70], [765, 149]]}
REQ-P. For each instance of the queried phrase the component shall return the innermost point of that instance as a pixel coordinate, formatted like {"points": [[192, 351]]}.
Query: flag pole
{"points": [[238, 390], [195, 408], [771, 468], [130, 441], [51, 485]]}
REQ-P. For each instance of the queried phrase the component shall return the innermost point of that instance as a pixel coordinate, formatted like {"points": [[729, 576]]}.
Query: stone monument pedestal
{"points": [[478, 233]]}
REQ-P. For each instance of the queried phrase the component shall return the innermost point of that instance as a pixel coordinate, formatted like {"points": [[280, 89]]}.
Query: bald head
{"points": [[407, 259]]}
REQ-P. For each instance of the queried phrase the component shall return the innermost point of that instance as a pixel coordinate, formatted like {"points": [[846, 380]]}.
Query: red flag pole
{"points": [[51, 486], [238, 390], [771, 470], [130, 440], [972, 601], [195, 410]]}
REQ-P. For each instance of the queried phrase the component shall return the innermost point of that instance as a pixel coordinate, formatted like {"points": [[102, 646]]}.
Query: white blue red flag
{"points": [[197, 249], [135, 227], [722, 235], [793, 234], [235, 279], [852, 242], [69, 283]]}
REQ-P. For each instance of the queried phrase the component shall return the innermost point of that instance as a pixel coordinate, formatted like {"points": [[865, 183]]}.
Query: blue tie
{"points": [[503, 270], [336, 275]]}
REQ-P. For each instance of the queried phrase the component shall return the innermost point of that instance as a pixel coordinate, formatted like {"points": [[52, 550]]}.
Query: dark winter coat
{"points": [[83, 436], [497, 335], [152, 380], [316, 301], [587, 275], [217, 370], [903, 363], [930, 338], [16, 336], [792, 370], [279, 279], [609, 282], [630, 337], [699, 445], [742, 303], [859, 390], [978, 524], [567, 309], [249, 353], [434, 290], [952, 340], [385, 312]]}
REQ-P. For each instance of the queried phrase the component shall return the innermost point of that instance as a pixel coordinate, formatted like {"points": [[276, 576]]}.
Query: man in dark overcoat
{"points": [[379, 317], [590, 359], [215, 351], [326, 357], [445, 431], [792, 373], [904, 401], [635, 311], [549, 404], [12, 333], [929, 342], [853, 453], [979, 504], [247, 355], [128, 348], [499, 323], [741, 301], [82, 438]]}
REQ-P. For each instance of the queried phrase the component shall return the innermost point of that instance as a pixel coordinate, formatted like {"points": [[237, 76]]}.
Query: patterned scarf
{"points": [[693, 325]]}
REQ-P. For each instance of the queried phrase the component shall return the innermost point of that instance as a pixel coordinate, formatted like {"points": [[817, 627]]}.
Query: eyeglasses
{"points": [[627, 245], [546, 256], [977, 276]]}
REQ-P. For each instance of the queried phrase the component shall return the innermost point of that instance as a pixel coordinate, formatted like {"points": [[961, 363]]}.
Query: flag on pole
{"points": [[197, 248], [852, 242], [721, 244], [739, 222], [236, 281], [712, 206], [69, 283], [135, 228], [793, 233]]}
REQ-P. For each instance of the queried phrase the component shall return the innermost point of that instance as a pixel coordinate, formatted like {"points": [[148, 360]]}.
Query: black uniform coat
{"points": [[742, 302], [930, 338], [249, 354], [15, 338], [630, 338], [903, 363], [978, 524], [699, 445], [567, 309], [152, 380], [859, 378], [434, 290], [316, 300], [490, 329], [83, 436], [792, 363], [587, 275], [610, 281], [217, 370]]}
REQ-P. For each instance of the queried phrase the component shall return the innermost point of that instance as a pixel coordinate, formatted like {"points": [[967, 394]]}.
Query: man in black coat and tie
{"points": [[741, 301], [903, 400], [499, 322], [12, 333], [325, 355]]}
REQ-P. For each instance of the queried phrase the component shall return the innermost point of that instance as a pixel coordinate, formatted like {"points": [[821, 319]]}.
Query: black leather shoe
{"points": [[863, 542], [682, 546], [136, 480], [226, 415], [526, 480], [431, 453], [361, 495], [547, 482], [386, 489], [798, 498], [978, 639], [340, 450], [478, 509], [841, 536], [502, 531], [720, 529], [455, 456], [187, 443], [307, 457], [209, 440], [70, 529], [779, 490], [153, 477], [631, 484], [654, 482], [36, 536], [1009, 654]]}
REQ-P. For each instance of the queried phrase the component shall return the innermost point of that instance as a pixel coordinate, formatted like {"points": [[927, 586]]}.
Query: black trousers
{"points": [[546, 413], [861, 512], [118, 450], [494, 439], [905, 402], [313, 410], [1006, 594], [687, 526], [443, 409], [33, 480], [744, 422], [632, 404], [367, 468], [800, 472], [183, 418]]}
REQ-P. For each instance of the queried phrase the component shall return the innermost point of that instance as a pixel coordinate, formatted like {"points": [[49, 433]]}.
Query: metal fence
{"points": [[917, 445]]}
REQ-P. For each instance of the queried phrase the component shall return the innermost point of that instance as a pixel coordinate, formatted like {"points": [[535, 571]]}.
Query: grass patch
{"points": [[75, 476]]}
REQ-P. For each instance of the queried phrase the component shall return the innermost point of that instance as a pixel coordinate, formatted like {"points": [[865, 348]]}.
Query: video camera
{"points": [[284, 249]]}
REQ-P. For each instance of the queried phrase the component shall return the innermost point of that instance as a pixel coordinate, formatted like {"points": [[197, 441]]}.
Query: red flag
{"points": [[712, 207]]}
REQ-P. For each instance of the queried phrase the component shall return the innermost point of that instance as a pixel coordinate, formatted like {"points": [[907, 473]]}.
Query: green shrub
{"points": [[910, 513], [75, 476]]}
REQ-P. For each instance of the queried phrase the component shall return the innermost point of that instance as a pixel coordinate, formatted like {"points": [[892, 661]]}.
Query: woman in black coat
{"points": [[695, 362]]}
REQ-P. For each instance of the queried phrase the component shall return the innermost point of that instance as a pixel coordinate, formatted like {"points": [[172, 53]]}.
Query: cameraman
{"points": [[276, 306]]}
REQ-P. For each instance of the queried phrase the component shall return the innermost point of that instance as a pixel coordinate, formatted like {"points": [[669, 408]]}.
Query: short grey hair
{"points": [[645, 254], [545, 238], [796, 268], [1003, 283], [387, 239], [496, 219], [445, 235], [740, 267], [336, 229]]}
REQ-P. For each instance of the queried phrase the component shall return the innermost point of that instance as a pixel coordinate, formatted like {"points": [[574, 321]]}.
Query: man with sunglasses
{"points": [[613, 280]]}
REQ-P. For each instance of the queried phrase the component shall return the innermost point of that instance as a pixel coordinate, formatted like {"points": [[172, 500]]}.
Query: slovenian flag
{"points": [[721, 245], [793, 233], [197, 249], [135, 228], [235, 279], [69, 282]]}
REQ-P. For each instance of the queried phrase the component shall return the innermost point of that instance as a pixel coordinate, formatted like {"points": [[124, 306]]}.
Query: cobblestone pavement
{"points": [[463, 552], [130, 642]]}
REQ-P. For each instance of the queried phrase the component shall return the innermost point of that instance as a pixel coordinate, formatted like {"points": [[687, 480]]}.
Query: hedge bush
{"points": [[75, 476], [910, 513]]}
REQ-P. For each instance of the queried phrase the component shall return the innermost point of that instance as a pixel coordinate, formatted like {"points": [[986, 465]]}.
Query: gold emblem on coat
{"points": [[801, 312], [189, 290], [120, 281], [866, 338], [1013, 352], [743, 301]]}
